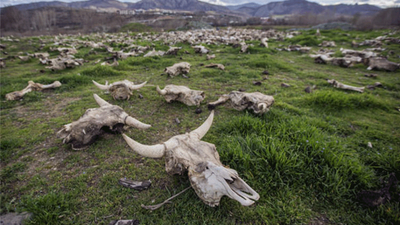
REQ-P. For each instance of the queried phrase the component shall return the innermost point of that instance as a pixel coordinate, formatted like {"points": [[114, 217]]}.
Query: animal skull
{"points": [[120, 90], [208, 176], [182, 94], [382, 64], [32, 86], [200, 49], [256, 101], [178, 68], [94, 122]]}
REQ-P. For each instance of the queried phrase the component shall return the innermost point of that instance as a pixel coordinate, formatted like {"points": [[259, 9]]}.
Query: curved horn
{"points": [[135, 87], [161, 92], [100, 101], [102, 87], [202, 130], [152, 151], [136, 123]]}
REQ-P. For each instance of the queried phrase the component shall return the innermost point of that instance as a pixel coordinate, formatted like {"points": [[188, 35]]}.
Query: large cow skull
{"points": [[178, 68], [208, 177], [120, 90], [182, 94], [256, 101], [94, 122]]}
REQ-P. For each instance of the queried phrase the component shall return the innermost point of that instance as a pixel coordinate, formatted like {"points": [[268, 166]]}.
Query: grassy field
{"points": [[307, 157]]}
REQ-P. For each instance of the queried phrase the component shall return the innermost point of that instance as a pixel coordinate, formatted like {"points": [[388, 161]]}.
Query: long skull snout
{"points": [[211, 182]]}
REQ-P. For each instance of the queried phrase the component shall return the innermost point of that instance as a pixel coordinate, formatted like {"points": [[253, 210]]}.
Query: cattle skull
{"points": [[32, 86], [382, 64], [178, 68], [120, 90], [182, 94], [208, 176], [256, 101], [94, 122]]}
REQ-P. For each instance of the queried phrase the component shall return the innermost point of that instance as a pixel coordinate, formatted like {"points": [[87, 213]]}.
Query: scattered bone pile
{"points": [[186, 152]]}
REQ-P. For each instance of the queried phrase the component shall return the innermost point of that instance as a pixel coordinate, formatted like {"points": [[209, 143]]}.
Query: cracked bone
{"points": [[255, 101], [83, 132], [182, 94], [32, 86], [178, 68], [208, 176], [339, 85], [120, 90]]}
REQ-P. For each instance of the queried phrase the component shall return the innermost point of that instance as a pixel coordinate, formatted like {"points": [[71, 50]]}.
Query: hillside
{"points": [[250, 9]]}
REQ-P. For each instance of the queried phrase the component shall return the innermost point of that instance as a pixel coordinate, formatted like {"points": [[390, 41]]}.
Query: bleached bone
{"points": [[24, 58], [32, 86], [339, 85], [214, 65], [178, 68], [120, 90], [182, 94], [210, 56], [63, 63], [94, 123], [173, 50], [208, 176], [243, 47], [382, 64], [154, 53], [264, 42], [255, 101], [200, 49]]}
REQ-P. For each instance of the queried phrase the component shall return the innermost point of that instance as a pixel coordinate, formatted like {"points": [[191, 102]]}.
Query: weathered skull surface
{"points": [[95, 122], [182, 94], [178, 68], [382, 64], [255, 101], [208, 177], [120, 90]]}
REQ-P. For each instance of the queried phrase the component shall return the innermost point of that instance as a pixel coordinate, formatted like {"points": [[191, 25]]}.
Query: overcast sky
{"points": [[381, 3]]}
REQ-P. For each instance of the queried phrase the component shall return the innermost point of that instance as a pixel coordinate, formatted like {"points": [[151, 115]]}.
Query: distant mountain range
{"points": [[252, 9]]}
